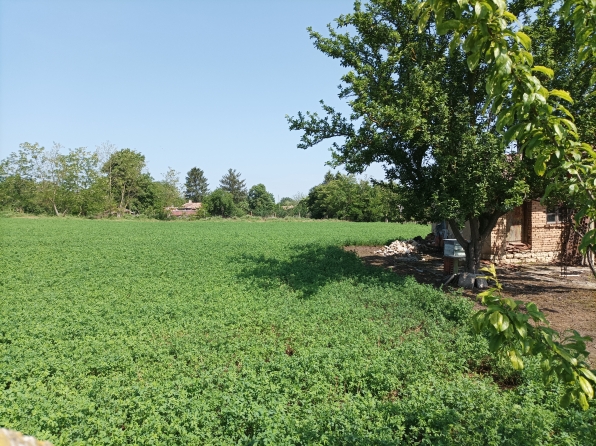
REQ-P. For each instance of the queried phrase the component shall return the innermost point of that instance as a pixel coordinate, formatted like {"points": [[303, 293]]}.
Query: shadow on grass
{"points": [[311, 267]]}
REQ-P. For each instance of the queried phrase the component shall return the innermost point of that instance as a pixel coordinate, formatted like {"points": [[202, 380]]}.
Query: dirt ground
{"points": [[568, 302]]}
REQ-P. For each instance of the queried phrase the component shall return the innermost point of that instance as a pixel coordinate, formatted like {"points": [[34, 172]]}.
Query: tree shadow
{"points": [[311, 267]]}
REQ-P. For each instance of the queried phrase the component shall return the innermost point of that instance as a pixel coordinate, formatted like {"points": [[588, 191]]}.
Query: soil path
{"points": [[568, 302]]}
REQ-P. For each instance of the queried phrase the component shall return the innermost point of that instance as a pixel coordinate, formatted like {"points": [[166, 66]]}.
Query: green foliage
{"points": [[232, 183], [196, 186], [124, 170], [260, 201], [537, 118], [36, 180], [417, 109], [221, 203], [241, 332], [344, 198], [511, 335]]}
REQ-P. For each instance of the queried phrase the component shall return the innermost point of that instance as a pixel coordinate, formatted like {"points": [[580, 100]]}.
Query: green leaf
{"points": [[533, 311], [544, 70], [588, 374], [495, 343], [524, 39], [509, 302], [499, 321], [583, 401], [516, 360], [587, 240], [561, 94], [540, 166], [446, 26], [521, 329], [473, 60], [586, 387]]}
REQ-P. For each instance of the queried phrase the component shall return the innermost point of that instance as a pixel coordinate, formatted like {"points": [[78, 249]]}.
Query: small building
{"points": [[530, 233], [189, 208]]}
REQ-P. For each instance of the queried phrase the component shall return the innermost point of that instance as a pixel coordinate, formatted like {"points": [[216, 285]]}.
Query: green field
{"points": [[235, 332]]}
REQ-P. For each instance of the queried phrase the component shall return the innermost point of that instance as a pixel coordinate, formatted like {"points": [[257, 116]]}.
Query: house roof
{"points": [[190, 205]]}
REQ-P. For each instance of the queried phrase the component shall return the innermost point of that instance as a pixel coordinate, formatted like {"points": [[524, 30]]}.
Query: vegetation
{"points": [[221, 203], [260, 201], [528, 112], [232, 183], [562, 357], [196, 186], [111, 182], [79, 182], [345, 198], [420, 107], [138, 332], [417, 109]]}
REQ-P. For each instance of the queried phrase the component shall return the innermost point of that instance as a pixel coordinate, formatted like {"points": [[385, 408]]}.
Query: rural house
{"points": [[530, 233], [189, 208]]}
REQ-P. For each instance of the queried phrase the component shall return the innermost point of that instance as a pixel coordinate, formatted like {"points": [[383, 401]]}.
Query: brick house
{"points": [[528, 234]]}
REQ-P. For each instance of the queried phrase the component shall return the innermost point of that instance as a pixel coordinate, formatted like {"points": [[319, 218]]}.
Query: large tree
{"points": [[221, 203], [232, 183], [417, 109], [259, 200], [126, 180], [196, 186]]}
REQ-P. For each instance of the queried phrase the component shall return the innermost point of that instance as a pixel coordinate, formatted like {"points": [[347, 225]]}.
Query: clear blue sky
{"points": [[187, 83]]}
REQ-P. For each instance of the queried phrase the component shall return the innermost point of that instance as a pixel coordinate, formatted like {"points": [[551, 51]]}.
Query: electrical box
{"points": [[453, 249]]}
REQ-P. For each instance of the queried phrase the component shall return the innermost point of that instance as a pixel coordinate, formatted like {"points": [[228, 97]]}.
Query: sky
{"points": [[187, 83]]}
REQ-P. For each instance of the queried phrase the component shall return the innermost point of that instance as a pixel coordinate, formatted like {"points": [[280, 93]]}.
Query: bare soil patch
{"points": [[569, 303]]}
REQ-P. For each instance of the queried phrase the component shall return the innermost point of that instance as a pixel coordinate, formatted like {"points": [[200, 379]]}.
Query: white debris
{"points": [[401, 249]]}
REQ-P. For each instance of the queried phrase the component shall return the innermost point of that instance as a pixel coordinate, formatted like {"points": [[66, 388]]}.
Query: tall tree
{"points": [[259, 199], [169, 188], [124, 169], [196, 186], [418, 110], [232, 183]]}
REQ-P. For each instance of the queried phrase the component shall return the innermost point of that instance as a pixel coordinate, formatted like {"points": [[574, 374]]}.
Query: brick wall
{"points": [[543, 238], [494, 247]]}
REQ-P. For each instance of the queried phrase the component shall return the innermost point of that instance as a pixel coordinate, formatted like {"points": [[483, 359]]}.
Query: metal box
{"points": [[452, 248]]}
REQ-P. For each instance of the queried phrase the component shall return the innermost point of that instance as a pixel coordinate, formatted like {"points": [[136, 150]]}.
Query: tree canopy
{"points": [[259, 200], [345, 198], [196, 186], [417, 109], [232, 183]]}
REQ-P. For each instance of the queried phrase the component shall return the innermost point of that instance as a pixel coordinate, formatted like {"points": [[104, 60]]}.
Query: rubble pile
{"points": [[402, 249], [516, 247]]}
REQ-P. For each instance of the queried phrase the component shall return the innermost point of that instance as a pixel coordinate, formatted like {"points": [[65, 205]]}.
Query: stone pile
{"points": [[402, 249], [13, 438]]}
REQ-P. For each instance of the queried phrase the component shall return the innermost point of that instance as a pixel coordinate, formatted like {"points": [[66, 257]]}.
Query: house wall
{"points": [[543, 238]]}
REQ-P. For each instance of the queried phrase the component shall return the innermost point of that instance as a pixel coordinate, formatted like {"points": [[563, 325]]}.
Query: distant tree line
{"points": [[345, 198], [111, 182]]}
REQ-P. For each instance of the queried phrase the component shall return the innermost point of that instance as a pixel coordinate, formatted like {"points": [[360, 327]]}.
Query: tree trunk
{"points": [[121, 206], [480, 229]]}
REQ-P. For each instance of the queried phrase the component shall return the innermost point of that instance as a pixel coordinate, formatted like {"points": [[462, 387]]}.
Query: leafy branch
{"points": [[512, 336]]}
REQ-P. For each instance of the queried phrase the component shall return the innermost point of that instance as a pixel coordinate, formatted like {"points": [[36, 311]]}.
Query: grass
{"points": [[240, 332]]}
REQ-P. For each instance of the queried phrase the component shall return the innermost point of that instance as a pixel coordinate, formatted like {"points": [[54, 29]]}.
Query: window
{"points": [[555, 215]]}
